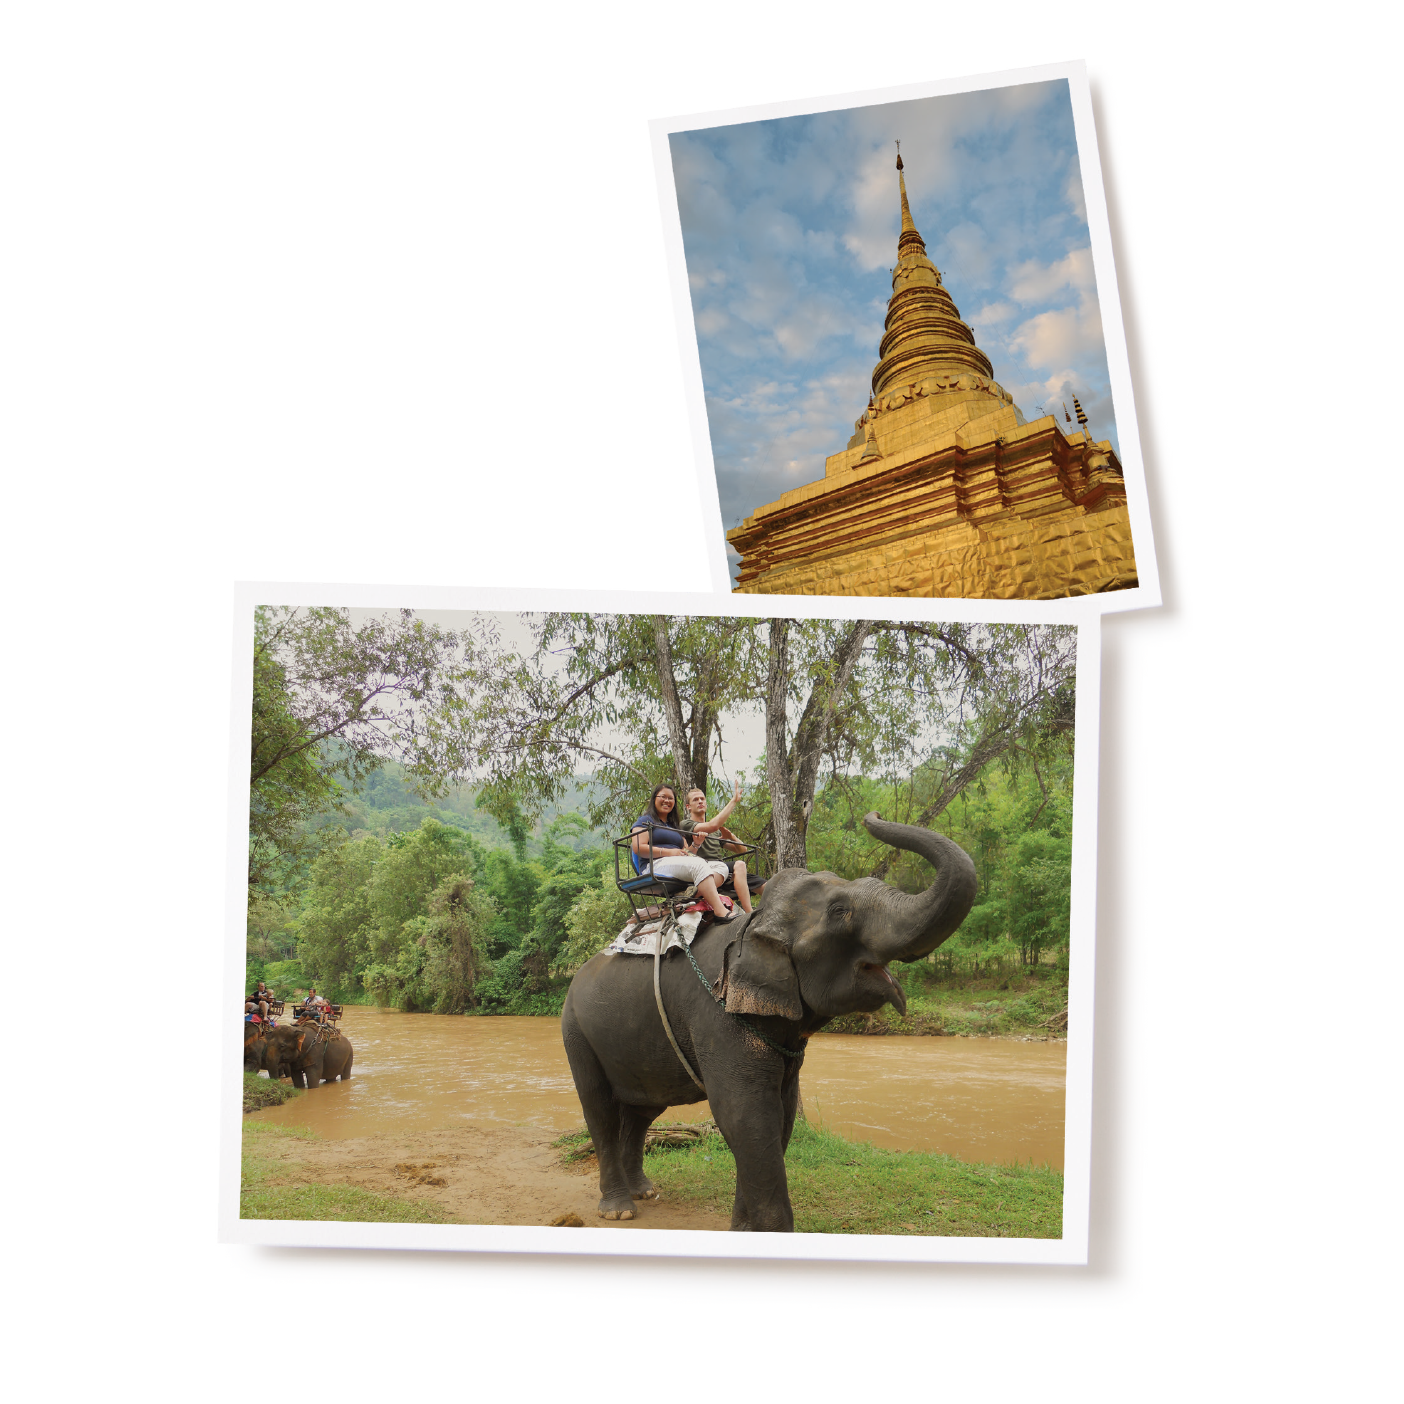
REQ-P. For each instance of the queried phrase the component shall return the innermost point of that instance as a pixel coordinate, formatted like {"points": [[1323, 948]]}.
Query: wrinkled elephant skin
{"points": [[819, 947], [308, 1058]]}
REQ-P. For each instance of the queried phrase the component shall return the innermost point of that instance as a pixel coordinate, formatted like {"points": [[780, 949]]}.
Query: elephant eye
{"points": [[840, 913]]}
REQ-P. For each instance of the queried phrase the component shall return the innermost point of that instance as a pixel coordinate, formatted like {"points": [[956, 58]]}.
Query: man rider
{"points": [[719, 840], [257, 1002]]}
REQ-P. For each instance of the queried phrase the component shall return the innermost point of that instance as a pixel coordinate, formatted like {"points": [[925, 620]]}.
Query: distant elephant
{"points": [[818, 948], [255, 1046], [307, 1053], [261, 1052]]}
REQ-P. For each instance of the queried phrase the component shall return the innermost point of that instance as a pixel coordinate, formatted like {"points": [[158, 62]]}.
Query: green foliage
{"points": [[513, 885], [335, 927], [500, 990], [596, 917], [541, 949], [332, 701], [264, 1092], [282, 977], [1015, 821], [370, 920], [442, 953]]}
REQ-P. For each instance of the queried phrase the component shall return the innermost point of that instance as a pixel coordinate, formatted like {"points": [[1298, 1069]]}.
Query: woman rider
{"points": [[654, 839]]}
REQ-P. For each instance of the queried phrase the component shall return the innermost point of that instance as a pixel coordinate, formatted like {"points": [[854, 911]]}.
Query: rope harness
{"points": [[325, 1032], [669, 922]]}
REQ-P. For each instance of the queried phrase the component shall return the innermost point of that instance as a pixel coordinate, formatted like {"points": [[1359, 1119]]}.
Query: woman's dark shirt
{"points": [[663, 837]]}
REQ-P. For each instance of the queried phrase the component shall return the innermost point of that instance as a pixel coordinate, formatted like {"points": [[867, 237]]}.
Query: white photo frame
{"points": [[1147, 591], [1070, 1249]]}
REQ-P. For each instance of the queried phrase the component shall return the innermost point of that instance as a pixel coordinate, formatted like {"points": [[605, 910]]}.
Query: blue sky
{"points": [[790, 228]]}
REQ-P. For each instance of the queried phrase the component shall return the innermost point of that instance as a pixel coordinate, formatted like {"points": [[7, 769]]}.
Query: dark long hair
{"points": [[671, 822]]}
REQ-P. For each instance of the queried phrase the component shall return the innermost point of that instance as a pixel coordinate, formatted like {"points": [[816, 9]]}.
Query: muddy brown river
{"points": [[979, 1099]]}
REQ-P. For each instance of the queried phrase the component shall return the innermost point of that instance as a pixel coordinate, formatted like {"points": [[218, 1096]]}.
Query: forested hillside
{"points": [[385, 914]]}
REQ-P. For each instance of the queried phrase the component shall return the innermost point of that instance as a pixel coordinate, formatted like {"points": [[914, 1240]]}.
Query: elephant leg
{"points": [[753, 1123], [740, 1220], [633, 1127], [789, 1101], [603, 1117]]}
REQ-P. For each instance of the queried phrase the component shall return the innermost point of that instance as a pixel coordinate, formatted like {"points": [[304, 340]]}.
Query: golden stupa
{"points": [[944, 489]]}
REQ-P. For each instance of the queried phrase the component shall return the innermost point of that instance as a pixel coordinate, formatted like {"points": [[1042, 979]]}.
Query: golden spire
{"points": [[909, 237], [925, 342]]}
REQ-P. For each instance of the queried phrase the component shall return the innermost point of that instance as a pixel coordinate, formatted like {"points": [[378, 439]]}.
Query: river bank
{"points": [[1026, 1005], [1029, 1004], [524, 1175], [473, 1174]]}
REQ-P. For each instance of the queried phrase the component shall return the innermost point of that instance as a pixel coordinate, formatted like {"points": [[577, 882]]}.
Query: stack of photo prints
{"points": [[758, 923]]}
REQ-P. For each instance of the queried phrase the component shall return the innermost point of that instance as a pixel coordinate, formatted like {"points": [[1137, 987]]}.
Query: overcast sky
{"points": [[790, 229]]}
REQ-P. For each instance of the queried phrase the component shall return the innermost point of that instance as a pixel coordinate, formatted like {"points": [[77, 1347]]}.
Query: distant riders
{"points": [[315, 1006]]}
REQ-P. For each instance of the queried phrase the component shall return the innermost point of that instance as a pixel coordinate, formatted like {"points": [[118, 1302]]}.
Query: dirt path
{"points": [[479, 1174]]}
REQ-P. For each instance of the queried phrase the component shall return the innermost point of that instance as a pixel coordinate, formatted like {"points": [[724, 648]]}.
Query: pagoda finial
{"points": [[908, 227]]}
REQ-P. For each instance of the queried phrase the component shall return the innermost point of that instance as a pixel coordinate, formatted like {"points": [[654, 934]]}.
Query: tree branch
{"points": [[672, 709]]}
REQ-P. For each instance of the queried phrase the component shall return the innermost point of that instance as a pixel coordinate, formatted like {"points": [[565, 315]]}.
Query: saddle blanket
{"points": [[640, 940]]}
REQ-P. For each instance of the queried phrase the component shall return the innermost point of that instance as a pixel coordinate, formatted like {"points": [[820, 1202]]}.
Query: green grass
{"points": [[1022, 1004], [264, 1092], [841, 1186], [265, 1194]]}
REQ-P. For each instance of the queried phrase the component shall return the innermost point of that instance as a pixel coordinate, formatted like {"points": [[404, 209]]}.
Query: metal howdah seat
{"points": [[322, 1013], [637, 880]]}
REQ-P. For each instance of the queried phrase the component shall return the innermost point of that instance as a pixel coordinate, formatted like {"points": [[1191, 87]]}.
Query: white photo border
{"points": [[1146, 593], [1069, 1250]]}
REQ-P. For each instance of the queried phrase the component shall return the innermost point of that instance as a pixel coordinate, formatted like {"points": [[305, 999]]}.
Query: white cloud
{"points": [[1073, 194], [1055, 338], [1036, 282], [993, 314]]}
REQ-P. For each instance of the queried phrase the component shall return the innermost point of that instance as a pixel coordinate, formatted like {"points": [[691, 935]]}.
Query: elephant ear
{"points": [[758, 977]]}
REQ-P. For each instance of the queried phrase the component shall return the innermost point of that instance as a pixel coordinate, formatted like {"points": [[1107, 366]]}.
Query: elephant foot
{"points": [[643, 1188], [616, 1206]]}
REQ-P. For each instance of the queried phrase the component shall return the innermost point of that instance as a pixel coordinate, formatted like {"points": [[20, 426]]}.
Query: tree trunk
{"points": [[812, 733], [794, 777], [672, 709], [789, 836], [705, 711]]}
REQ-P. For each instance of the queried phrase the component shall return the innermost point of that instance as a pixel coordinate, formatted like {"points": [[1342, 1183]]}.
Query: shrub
{"points": [[283, 977], [594, 920]]}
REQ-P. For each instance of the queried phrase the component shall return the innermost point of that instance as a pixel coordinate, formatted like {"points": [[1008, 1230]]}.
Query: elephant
{"points": [[261, 1052], [302, 1052], [819, 947]]}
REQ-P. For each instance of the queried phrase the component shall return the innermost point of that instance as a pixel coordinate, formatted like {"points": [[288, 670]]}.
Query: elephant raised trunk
{"points": [[910, 926]]}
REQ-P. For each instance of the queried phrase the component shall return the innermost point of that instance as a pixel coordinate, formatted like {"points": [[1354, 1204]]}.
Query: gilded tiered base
{"points": [[990, 508]]}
